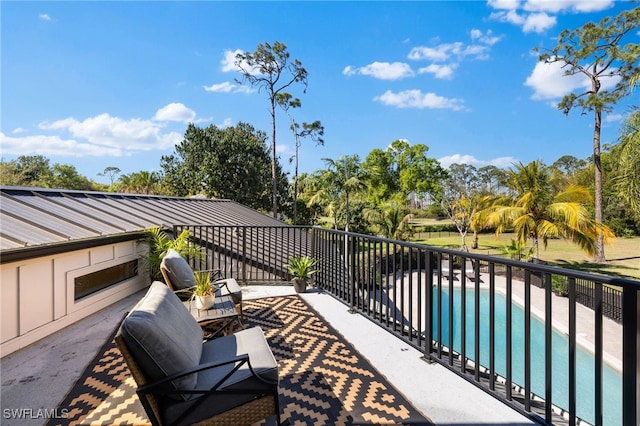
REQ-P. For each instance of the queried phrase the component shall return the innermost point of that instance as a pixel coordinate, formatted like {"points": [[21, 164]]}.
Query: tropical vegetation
{"points": [[583, 200], [158, 242], [539, 210]]}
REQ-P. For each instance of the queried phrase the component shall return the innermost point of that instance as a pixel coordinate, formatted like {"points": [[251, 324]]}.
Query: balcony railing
{"points": [[472, 313]]}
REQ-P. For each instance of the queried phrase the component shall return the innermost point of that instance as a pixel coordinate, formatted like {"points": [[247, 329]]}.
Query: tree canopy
{"points": [[231, 163]]}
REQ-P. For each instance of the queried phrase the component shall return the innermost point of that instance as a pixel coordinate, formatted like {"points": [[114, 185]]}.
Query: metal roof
{"points": [[37, 216]]}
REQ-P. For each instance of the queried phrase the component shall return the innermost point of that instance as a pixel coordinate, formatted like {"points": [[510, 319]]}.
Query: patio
{"points": [[39, 376]]}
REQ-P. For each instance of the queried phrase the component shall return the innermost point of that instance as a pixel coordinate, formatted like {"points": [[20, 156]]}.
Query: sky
{"points": [[115, 84]]}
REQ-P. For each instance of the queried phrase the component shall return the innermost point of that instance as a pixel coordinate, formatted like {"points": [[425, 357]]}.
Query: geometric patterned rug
{"points": [[323, 379]]}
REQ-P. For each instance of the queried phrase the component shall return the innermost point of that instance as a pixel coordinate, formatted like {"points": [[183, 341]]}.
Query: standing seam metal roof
{"points": [[38, 216]]}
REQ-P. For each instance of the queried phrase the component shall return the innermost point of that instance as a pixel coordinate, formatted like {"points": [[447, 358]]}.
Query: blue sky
{"points": [[98, 84]]}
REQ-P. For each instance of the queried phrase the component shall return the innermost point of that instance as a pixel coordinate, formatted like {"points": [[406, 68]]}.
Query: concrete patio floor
{"points": [[40, 375]]}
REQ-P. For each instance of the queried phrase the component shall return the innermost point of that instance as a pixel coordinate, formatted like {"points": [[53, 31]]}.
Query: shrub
{"points": [[560, 285]]}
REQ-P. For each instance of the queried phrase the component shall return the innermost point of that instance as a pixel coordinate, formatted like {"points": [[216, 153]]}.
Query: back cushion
{"points": [[163, 337], [179, 272]]}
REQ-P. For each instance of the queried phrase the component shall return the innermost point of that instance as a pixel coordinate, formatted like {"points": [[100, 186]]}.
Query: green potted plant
{"points": [[203, 293], [301, 268], [157, 242]]}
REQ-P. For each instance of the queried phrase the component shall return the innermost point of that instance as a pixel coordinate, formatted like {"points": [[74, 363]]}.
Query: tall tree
{"points": [[597, 52], [270, 68], [228, 163], [111, 172], [314, 130], [541, 211]]}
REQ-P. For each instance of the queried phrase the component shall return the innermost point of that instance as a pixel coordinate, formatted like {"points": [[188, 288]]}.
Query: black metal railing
{"points": [[480, 316]]}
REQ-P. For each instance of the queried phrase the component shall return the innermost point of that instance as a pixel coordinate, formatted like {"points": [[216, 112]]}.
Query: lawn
{"points": [[623, 255]]}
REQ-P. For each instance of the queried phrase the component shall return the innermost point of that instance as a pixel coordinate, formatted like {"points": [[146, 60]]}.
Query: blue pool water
{"points": [[585, 380]]}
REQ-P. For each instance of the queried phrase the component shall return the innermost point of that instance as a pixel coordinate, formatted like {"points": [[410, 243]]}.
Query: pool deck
{"points": [[39, 376]]}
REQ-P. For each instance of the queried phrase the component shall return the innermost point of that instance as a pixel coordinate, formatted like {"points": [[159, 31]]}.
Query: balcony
{"points": [[412, 300]]}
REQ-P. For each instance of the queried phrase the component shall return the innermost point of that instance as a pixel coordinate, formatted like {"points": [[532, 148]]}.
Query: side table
{"points": [[221, 319]]}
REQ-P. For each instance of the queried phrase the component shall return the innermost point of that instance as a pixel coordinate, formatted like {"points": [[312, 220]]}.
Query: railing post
{"points": [[630, 355], [428, 300], [350, 242], [244, 254]]}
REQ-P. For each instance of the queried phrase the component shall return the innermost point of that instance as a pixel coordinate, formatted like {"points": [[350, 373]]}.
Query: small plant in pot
{"points": [[204, 291], [301, 268]]}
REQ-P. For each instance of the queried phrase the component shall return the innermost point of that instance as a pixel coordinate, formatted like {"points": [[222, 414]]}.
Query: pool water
{"points": [[585, 370]]}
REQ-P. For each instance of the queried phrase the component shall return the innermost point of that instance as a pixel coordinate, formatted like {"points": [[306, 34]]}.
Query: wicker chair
{"points": [[232, 380], [179, 276]]}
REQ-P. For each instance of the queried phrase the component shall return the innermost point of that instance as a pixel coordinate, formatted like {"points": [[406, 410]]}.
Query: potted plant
{"points": [[301, 268], [204, 291], [158, 242]]}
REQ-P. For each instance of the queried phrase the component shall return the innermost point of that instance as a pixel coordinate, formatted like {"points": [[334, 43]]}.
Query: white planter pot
{"points": [[204, 302]]}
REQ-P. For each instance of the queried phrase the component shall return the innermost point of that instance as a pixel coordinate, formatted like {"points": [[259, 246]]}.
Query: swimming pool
{"points": [[585, 377]]}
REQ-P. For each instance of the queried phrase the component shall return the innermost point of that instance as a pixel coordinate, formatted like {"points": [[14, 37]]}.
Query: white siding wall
{"points": [[37, 295]]}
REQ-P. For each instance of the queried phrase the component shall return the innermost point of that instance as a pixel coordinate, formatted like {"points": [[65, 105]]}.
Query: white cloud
{"points": [[18, 130], [112, 132], [349, 70], [504, 4], [228, 87], [226, 123], [224, 87], [531, 22], [175, 111], [538, 22], [228, 63], [446, 51], [439, 53], [382, 70], [539, 15], [487, 38], [439, 71], [54, 145], [501, 162], [549, 82], [416, 99], [44, 17], [229, 60], [612, 118], [574, 6]]}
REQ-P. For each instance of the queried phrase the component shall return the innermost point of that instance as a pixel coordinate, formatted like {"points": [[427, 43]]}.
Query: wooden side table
{"points": [[220, 320]]}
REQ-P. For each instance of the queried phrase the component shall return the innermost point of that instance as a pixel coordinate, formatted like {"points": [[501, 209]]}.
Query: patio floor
{"points": [[39, 376]]}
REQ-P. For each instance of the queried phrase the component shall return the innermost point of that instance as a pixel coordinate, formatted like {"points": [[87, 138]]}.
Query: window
{"points": [[96, 281]]}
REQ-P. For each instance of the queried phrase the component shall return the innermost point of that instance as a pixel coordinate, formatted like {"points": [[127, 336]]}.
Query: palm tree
{"points": [[391, 220], [142, 182], [336, 183], [540, 211]]}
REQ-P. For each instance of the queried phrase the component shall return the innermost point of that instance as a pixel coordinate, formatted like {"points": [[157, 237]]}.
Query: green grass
{"points": [[623, 255]]}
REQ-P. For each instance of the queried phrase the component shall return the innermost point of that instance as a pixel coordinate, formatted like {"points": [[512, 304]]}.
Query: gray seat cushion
{"points": [[163, 336], [250, 341], [178, 270]]}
